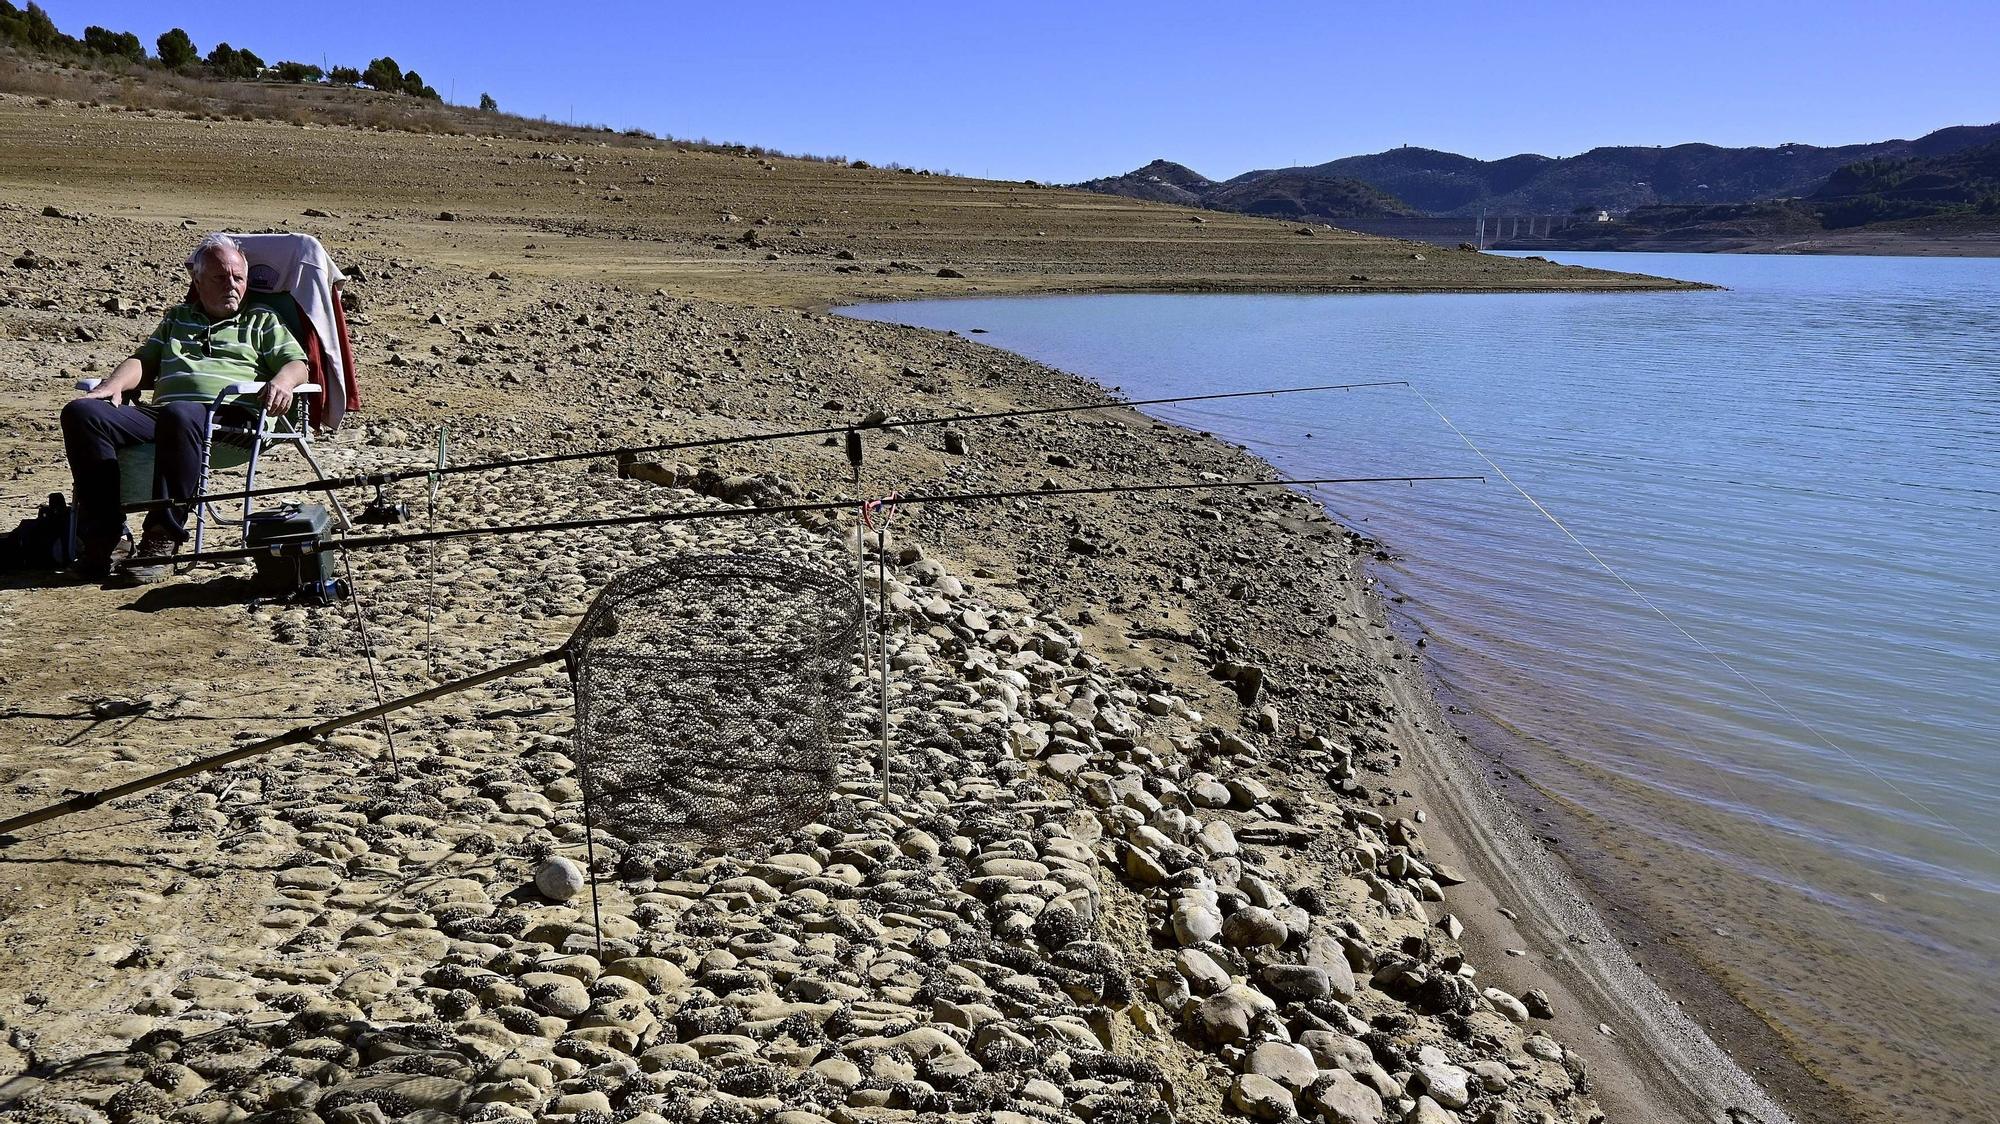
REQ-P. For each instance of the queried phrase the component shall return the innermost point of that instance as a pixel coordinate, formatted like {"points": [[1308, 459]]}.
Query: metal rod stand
{"points": [[882, 644]]}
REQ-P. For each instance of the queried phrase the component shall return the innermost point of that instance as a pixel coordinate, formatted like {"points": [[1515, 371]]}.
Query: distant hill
{"points": [[1616, 179], [1626, 177], [1296, 195], [1890, 190], [1162, 181], [1939, 196], [1293, 195]]}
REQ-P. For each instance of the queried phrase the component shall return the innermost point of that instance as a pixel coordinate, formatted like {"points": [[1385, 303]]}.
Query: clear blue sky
{"points": [[1067, 91]]}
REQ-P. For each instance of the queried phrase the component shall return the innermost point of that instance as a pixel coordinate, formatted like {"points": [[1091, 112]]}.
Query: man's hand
{"points": [[277, 399], [124, 377], [277, 394]]}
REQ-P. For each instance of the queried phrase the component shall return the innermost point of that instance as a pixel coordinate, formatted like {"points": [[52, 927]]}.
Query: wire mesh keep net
{"points": [[708, 692]]}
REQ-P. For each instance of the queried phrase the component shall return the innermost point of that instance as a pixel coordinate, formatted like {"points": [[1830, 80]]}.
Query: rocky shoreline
{"points": [[1150, 854], [1063, 905]]}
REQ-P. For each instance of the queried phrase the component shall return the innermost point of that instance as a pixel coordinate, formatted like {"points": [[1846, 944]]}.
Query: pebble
{"points": [[1226, 1016], [1506, 1004], [559, 879], [1260, 1098], [554, 993], [1428, 1111], [1290, 1065], [1298, 982], [1537, 1002], [1204, 975], [1254, 927], [1343, 1100], [1195, 922]]}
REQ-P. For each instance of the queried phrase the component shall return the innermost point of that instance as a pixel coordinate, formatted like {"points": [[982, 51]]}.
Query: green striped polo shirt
{"points": [[194, 356]]}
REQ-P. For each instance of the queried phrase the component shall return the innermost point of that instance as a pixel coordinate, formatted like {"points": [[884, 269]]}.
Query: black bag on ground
{"points": [[40, 543]]}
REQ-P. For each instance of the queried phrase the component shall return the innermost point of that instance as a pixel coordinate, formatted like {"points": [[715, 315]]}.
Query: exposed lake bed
{"points": [[1799, 473]]}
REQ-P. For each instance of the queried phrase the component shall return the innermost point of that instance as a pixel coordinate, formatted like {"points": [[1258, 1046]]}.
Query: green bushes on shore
{"points": [[32, 31]]}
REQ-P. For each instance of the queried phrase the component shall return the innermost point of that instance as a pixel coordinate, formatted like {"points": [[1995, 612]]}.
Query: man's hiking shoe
{"points": [[154, 559], [98, 560]]}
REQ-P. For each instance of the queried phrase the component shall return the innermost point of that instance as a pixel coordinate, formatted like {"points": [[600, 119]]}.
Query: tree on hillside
{"points": [[384, 74], [343, 76], [114, 44], [487, 104], [31, 28], [298, 72], [176, 49], [413, 85], [232, 62]]}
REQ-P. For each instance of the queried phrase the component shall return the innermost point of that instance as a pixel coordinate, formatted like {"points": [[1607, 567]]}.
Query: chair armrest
{"points": [[247, 387]]}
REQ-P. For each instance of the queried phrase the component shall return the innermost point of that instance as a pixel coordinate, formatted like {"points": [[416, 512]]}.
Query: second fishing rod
{"points": [[380, 479], [307, 546]]}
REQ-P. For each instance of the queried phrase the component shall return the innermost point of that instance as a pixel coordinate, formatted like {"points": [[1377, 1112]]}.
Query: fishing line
{"points": [[431, 564], [378, 479], [1696, 641], [375, 542], [368, 650], [1806, 889]]}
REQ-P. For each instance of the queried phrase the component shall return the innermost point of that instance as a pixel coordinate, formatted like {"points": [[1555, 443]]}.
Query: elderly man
{"points": [[197, 350]]}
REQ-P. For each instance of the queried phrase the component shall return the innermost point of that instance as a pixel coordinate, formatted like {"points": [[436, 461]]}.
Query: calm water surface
{"points": [[1803, 472]]}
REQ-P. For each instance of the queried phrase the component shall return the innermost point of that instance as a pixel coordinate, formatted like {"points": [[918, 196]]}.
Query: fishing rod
{"points": [[303, 547], [569, 651], [85, 801], [379, 479]]}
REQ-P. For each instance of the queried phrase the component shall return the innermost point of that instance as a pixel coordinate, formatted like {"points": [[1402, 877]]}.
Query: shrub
{"points": [[343, 76], [487, 104]]}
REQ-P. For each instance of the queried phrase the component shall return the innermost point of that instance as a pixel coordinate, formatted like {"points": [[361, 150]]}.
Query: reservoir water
{"points": [[1777, 753]]}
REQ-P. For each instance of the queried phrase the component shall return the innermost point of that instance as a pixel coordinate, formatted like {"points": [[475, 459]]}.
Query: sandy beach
{"points": [[1174, 809]]}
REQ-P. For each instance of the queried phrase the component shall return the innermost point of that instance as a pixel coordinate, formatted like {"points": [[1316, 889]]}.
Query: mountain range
{"points": [[1411, 181]]}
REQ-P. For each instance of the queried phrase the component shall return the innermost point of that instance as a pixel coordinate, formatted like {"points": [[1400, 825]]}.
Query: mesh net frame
{"points": [[709, 689]]}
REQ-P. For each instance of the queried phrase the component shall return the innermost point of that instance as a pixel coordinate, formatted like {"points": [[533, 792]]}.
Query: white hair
{"points": [[209, 246]]}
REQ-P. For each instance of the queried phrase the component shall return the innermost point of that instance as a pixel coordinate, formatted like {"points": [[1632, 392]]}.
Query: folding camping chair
{"points": [[291, 275], [227, 444]]}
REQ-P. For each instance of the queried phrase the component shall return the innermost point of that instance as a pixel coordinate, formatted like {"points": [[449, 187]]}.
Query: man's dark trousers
{"points": [[94, 430]]}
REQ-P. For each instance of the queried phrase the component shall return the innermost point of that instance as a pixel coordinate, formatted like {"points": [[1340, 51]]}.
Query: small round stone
{"points": [[559, 879]]}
